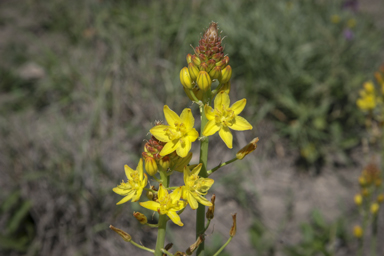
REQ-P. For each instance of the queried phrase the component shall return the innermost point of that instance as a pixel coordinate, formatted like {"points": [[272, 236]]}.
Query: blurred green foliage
{"points": [[108, 67]]}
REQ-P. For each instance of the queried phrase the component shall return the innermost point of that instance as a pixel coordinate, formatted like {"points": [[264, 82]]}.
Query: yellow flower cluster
{"points": [[368, 99]]}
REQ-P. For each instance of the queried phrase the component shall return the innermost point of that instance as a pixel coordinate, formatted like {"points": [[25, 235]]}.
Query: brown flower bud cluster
{"points": [[206, 65]]}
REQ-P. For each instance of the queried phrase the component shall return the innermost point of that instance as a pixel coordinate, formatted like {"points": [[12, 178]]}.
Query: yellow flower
{"points": [[137, 180], [224, 117], [195, 187], [167, 204], [357, 231], [178, 134]]}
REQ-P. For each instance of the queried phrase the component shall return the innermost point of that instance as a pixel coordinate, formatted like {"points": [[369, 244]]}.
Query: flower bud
{"points": [[250, 147], [196, 60], [189, 58], [165, 162], [185, 78], [149, 195], [365, 192], [358, 199], [211, 63], [168, 246], [232, 232], [178, 253], [150, 165], [178, 163], [378, 182], [193, 71], [375, 208], [226, 74], [204, 81], [211, 209], [357, 231], [362, 181], [215, 73], [140, 217], [123, 234], [204, 67]]}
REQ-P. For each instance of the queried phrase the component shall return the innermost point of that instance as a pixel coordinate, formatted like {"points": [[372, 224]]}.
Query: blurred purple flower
{"points": [[352, 5], [348, 34]]}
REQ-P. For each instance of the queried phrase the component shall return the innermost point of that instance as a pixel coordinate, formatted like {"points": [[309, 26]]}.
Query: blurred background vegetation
{"points": [[81, 83]]}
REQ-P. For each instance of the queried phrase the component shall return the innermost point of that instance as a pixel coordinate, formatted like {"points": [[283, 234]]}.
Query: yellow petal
{"points": [[176, 194], [159, 133], [192, 201], [170, 147], [196, 170], [122, 191], [175, 218], [187, 173], [226, 136], [145, 181], [222, 99], [203, 200], [192, 135], [128, 170], [127, 198], [137, 195], [187, 118], [162, 191], [238, 106], [171, 116], [151, 205], [184, 147], [139, 168], [241, 124], [208, 110], [211, 128]]}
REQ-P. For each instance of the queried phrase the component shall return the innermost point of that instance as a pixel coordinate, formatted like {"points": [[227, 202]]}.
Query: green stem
{"points": [[200, 212], [162, 221], [142, 247], [222, 247], [209, 172], [167, 252], [374, 235]]}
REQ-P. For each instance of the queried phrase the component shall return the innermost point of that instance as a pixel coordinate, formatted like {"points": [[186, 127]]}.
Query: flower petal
{"points": [[171, 116], [122, 191], [159, 132], [139, 169], [170, 147], [192, 201], [226, 136], [238, 106], [187, 173], [162, 191], [151, 205], [184, 147], [196, 170], [241, 124], [187, 118], [127, 198], [137, 195], [175, 218], [202, 200], [128, 170], [211, 128], [176, 194], [222, 99], [209, 113], [192, 135]]}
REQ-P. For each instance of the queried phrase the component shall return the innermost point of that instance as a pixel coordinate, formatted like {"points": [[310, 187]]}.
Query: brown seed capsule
{"points": [[232, 232], [123, 234]]}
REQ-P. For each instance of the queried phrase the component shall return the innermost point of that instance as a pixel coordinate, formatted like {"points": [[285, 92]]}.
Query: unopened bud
{"points": [[226, 74], [165, 162], [375, 208], [211, 63], [211, 209], [212, 33], [150, 165], [250, 147], [362, 181], [204, 67], [358, 199], [193, 71], [189, 58], [180, 254], [185, 78], [378, 182], [204, 81], [149, 195], [123, 234], [196, 60], [195, 245], [232, 232], [365, 192], [357, 231], [168, 246], [140, 217], [215, 73]]}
